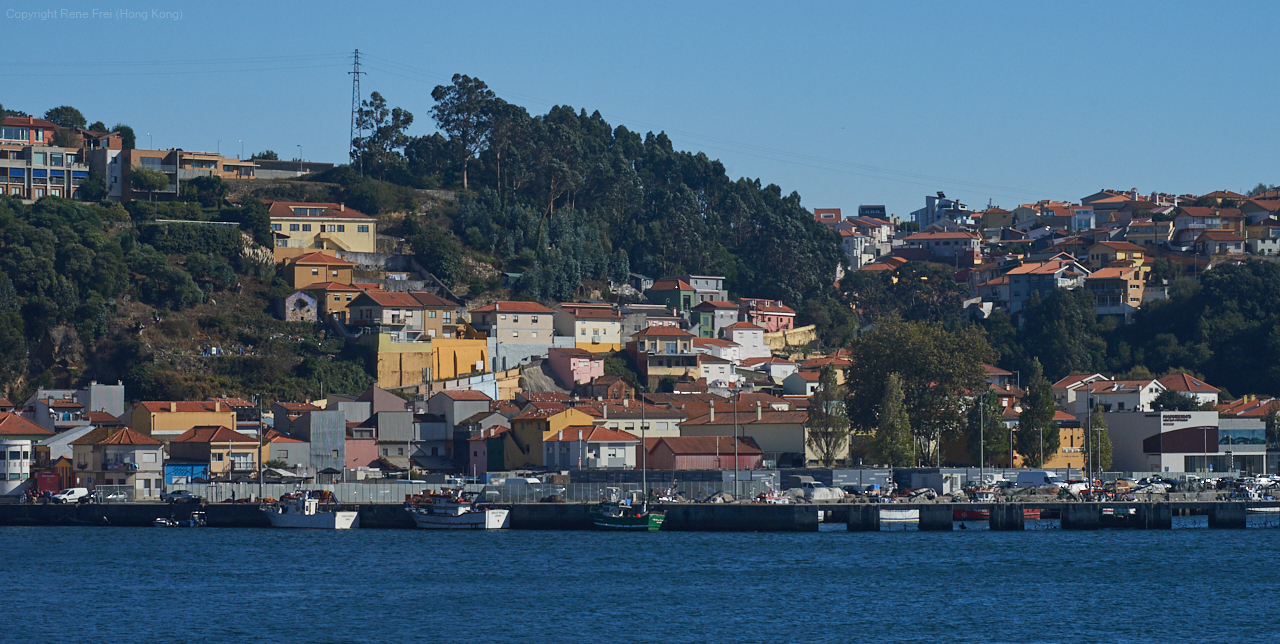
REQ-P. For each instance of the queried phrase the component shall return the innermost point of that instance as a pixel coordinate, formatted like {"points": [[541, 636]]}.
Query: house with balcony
{"points": [[959, 248], [1041, 278], [749, 338], [121, 457], [31, 167], [517, 332], [1116, 253], [227, 452], [398, 315], [639, 316], [522, 445], [588, 447], [941, 208], [725, 349], [709, 319], [594, 327], [1190, 221], [193, 165], [441, 317], [300, 228], [771, 315], [706, 288], [663, 351], [1219, 242], [1148, 233], [857, 247], [1116, 290]]}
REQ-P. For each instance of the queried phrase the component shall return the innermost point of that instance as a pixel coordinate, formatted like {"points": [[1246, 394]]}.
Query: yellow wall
{"points": [[1068, 439], [601, 347], [350, 239], [531, 432], [300, 275], [177, 422], [453, 357]]}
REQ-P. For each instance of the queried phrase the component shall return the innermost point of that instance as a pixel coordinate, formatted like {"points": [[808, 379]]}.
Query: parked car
{"points": [[181, 496], [114, 496], [72, 495]]}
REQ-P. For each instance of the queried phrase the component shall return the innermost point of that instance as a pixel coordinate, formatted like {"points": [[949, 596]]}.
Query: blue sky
{"points": [[844, 102]]}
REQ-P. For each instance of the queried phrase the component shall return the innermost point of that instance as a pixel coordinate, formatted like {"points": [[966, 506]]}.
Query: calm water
{"points": [[241, 585]]}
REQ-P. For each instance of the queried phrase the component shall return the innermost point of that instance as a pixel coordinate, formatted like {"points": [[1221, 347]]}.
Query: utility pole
{"points": [[355, 108]]}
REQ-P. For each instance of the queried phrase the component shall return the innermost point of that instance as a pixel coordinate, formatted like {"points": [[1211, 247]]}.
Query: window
{"points": [[342, 228], [149, 457], [55, 158], [399, 451], [293, 227], [37, 158], [515, 334], [284, 453], [306, 227], [15, 133], [217, 457], [584, 332], [515, 319], [535, 335], [535, 319], [337, 298], [431, 315], [315, 271], [155, 163], [384, 452], [335, 453], [362, 229], [275, 227]]}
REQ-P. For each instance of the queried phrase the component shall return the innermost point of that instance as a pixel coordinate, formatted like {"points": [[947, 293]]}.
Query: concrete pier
{"points": [[1227, 515], [936, 517], [864, 517], [723, 517], [1007, 517]]}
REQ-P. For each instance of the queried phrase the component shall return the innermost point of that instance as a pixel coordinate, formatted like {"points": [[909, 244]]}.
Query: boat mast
{"points": [[644, 460]]}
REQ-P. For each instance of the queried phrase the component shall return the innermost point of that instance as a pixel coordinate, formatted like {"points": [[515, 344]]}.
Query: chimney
{"points": [[342, 207], [605, 408], [579, 434], [217, 406], [712, 417], [560, 435], [758, 410], [173, 407]]}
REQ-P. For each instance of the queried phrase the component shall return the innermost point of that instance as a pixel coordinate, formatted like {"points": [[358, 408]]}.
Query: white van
{"points": [[71, 495], [1039, 479]]}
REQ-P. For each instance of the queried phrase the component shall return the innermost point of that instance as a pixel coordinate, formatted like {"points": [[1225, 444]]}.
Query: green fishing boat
{"points": [[624, 515]]}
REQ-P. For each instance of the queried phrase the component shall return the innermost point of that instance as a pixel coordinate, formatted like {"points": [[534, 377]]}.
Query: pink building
{"points": [[703, 453], [575, 366], [771, 315], [361, 452]]}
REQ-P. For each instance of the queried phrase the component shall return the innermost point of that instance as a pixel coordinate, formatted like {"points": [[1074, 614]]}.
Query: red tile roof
{"points": [[767, 417], [465, 394], [715, 304], [592, 434], [1114, 272], [1184, 382], [126, 436], [284, 210], [28, 121], [514, 307], [745, 325], [273, 436], [1124, 246], [591, 313], [702, 445], [316, 258], [928, 235], [66, 404], [433, 301], [14, 425], [996, 371], [663, 331], [670, 284], [751, 362], [388, 299], [181, 406], [713, 342], [331, 286], [1220, 236], [298, 406], [209, 434]]}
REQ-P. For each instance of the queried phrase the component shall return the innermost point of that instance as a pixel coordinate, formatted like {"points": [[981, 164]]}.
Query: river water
{"points": [[260, 585]]}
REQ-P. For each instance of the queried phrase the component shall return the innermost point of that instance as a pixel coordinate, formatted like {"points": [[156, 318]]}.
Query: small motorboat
{"points": [[197, 520], [301, 509], [450, 510]]}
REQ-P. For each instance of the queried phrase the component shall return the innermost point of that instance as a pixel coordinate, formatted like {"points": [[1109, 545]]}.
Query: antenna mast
{"points": [[356, 127]]}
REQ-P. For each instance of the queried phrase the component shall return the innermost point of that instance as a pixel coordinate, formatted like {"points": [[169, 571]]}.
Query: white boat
{"points": [[303, 511], [899, 516], [450, 511]]}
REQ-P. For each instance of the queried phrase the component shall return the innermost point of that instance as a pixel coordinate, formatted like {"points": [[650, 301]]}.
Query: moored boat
{"points": [[449, 510], [301, 509], [624, 515], [196, 521]]}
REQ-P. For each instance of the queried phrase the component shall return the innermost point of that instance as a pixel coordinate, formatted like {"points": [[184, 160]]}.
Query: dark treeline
{"points": [[565, 197]]}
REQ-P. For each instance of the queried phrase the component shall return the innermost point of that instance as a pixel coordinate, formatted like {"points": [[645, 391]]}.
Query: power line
{"points": [[170, 73], [356, 125]]}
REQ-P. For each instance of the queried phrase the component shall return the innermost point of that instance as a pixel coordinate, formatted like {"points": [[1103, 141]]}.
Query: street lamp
{"points": [[299, 158], [241, 157], [151, 142]]}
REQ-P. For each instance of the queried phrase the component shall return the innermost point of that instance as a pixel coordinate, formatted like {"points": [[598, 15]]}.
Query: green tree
{"points": [[276, 464], [93, 189], [380, 151], [1170, 400], [936, 367], [209, 191], [128, 138], [1062, 332], [462, 111], [827, 426], [1099, 445], [437, 250], [65, 138], [267, 155], [1037, 436], [985, 427], [98, 126], [1259, 189], [893, 444], [65, 116], [148, 181]]}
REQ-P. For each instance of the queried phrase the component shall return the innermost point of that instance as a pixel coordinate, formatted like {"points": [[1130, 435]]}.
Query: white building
{"points": [[1185, 441], [581, 447], [15, 459], [749, 338]]}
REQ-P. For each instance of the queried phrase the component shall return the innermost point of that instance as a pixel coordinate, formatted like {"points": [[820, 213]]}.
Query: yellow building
{"points": [[224, 449], [328, 226], [522, 446], [165, 420], [454, 358], [1112, 253], [594, 327], [316, 268], [1070, 452]]}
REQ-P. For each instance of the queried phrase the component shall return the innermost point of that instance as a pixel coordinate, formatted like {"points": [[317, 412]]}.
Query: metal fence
{"points": [[526, 493], [593, 492]]}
